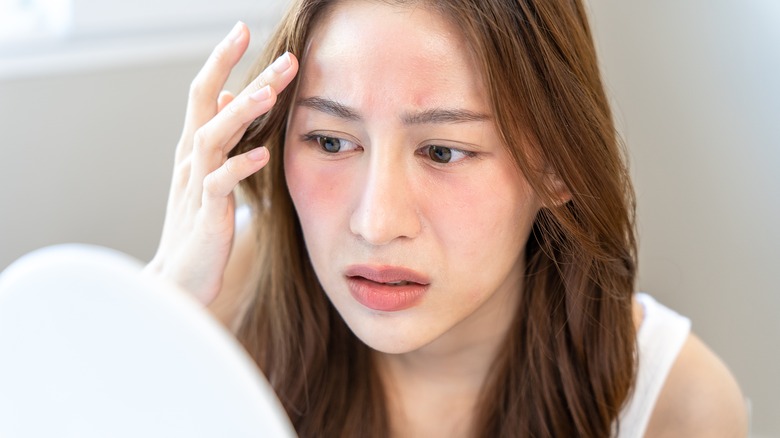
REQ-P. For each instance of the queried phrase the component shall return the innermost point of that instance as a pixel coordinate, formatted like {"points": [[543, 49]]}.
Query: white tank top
{"points": [[660, 338]]}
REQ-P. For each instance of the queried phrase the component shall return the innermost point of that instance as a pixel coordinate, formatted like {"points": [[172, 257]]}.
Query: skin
{"points": [[382, 201]]}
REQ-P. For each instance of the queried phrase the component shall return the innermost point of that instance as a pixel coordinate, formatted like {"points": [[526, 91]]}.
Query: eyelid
{"points": [[423, 150], [316, 135]]}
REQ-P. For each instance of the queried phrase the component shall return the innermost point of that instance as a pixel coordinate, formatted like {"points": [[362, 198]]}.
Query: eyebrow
{"points": [[331, 107], [430, 116]]}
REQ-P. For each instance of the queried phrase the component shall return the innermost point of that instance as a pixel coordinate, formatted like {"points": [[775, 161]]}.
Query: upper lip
{"points": [[386, 274]]}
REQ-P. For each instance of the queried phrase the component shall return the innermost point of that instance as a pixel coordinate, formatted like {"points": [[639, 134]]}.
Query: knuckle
{"points": [[181, 173], [211, 184], [219, 55], [196, 88], [201, 139], [264, 79], [230, 167], [233, 108]]}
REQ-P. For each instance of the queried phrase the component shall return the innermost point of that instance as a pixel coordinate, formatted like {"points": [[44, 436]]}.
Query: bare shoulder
{"points": [[240, 274], [700, 398]]}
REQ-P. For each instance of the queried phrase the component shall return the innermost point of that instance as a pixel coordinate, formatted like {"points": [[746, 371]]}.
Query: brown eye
{"points": [[329, 144], [440, 154]]}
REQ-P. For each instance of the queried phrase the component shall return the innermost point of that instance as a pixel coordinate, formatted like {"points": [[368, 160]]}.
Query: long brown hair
{"points": [[568, 363]]}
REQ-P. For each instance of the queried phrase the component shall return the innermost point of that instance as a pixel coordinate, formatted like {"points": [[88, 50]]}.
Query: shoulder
{"points": [[700, 397], [240, 275]]}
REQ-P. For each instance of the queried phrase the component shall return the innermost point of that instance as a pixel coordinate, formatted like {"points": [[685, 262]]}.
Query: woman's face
{"points": [[414, 216]]}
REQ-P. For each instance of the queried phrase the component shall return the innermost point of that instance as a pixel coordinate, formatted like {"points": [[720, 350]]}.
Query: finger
{"points": [[225, 97], [236, 138], [216, 138], [243, 109], [278, 75], [218, 186], [210, 80], [212, 139]]}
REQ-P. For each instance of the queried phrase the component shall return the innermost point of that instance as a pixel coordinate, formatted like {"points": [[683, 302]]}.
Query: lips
{"points": [[386, 288]]}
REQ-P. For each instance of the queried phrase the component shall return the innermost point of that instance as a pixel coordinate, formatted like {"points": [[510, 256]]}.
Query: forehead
{"points": [[368, 52]]}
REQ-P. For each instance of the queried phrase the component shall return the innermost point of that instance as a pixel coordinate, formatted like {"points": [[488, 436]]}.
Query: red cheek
{"points": [[461, 203], [316, 189]]}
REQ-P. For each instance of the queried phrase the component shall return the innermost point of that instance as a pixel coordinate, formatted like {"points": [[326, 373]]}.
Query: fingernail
{"points": [[235, 33], [257, 154], [261, 94], [282, 63]]}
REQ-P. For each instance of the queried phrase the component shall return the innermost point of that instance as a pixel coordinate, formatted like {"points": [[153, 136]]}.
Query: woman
{"points": [[442, 243]]}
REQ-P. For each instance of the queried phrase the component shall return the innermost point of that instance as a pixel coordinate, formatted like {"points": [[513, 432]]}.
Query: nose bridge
{"points": [[385, 209]]}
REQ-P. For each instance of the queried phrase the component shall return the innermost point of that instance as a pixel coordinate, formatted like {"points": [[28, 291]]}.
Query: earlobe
{"points": [[558, 190]]}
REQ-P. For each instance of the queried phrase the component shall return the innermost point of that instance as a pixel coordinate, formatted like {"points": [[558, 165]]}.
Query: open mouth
{"points": [[388, 275], [388, 283], [399, 283], [386, 289]]}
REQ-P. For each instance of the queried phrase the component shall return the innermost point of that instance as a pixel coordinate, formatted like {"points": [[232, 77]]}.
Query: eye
{"points": [[329, 144], [444, 155], [332, 145]]}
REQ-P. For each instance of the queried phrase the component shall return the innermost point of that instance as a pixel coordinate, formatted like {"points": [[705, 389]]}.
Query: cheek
{"points": [[482, 211], [317, 192], [483, 225]]}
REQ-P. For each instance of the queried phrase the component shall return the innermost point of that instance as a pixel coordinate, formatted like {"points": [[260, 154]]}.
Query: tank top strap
{"points": [[659, 341]]}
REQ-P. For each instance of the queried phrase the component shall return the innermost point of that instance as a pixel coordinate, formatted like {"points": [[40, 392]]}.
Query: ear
{"points": [[558, 190]]}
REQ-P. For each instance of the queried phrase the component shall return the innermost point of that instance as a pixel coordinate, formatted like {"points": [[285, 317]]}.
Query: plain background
{"points": [[88, 137]]}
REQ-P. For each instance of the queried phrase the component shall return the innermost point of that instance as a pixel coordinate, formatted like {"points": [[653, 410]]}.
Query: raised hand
{"points": [[199, 223]]}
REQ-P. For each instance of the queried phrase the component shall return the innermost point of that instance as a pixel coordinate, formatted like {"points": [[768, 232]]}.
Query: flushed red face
{"points": [[414, 215]]}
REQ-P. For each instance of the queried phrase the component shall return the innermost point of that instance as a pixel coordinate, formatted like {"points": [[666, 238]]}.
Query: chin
{"points": [[389, 340], [390, 346]]}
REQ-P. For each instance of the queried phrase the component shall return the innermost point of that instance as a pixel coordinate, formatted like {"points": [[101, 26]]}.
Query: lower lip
{"points": [[385, 298]]}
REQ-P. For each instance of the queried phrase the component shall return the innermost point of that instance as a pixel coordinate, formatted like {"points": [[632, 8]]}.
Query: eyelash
{"points": [[426, 151], [318, 138]]}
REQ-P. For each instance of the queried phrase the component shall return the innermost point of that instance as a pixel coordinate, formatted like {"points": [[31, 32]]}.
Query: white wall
{"points": [[89, 124], [696, 85], [88, 157], [88, 147]]}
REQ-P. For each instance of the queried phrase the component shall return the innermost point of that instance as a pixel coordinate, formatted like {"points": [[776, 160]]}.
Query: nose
{"points": [[386, 209]]}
